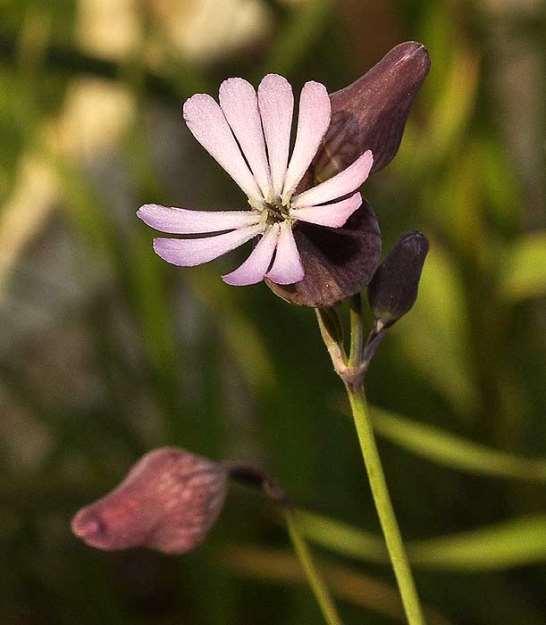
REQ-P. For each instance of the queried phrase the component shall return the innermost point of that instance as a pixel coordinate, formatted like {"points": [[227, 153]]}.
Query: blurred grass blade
{"points": [[434, 336], [525, 268], [302, 29], [146, 278], [343, 538], [241, 334], [354, 587], [454, 451], [451, 90], [511, 543], [451, 115]]}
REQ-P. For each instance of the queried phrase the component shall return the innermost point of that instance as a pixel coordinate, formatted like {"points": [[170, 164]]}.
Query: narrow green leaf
{"points": [[342, 538], [503, 545], [454, 451], [511, 543]]}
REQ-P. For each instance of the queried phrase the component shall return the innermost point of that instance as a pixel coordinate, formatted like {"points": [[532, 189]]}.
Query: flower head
{"points": [[318, 241], [168, 501], [248, 134]]}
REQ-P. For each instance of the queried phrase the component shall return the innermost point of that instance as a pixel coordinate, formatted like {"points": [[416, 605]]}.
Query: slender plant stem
{"points": [[383, 504], [357, 331], [317, 584]]}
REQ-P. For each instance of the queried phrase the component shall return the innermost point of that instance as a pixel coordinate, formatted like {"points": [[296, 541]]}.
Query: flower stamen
{"points": [[276, 212]]}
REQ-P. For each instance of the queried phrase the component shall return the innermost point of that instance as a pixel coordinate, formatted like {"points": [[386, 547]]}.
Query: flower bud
{"points": [[393, 289], [168, 501], [370, 114]]}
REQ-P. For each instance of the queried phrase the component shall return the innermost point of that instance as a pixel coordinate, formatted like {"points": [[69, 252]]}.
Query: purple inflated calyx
{"points": [[338, 262], [370, 114], [393, 289], [168, 501]]}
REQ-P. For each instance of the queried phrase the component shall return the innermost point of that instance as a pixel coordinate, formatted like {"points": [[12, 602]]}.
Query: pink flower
{"points": [[248, 134]]}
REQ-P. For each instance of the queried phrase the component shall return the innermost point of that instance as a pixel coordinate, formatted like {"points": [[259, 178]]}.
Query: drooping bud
{"points": [[168, 501], [338, 262], [393, 289], [370, 114]]}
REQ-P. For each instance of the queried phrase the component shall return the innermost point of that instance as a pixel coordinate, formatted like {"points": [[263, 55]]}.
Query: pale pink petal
{"points": [[287, 267], [255, 266], [332, 215], [276, 103], [345, 182], [207, 123], [183, 221], [313, 121], [190, 252], [240, 105]]}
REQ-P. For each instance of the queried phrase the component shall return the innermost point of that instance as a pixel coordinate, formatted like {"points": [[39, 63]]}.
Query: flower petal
{"points": [[332, 215], [240, 105], [287, 267], [191, 252], [313, 121], [207, 123], [183, 221], [345, 182], [255, 266], [276, 103]]}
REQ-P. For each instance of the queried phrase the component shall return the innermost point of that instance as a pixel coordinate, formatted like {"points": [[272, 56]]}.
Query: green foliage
{"points": [[106, 352], [525, 268], [516, 542], [454, 451]]}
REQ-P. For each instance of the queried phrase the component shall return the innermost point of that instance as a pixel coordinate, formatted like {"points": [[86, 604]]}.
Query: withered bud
{"points": [[393, 289], [168, 501], [370, 114]]}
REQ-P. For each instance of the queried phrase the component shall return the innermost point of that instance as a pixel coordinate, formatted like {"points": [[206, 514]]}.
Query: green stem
{"points": [[387, 518], [357, 331], [317, 584]]}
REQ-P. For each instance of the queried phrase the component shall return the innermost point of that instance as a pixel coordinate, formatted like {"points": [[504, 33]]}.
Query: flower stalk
{"points": [[383, 505], [249, 475], [314, 578], [357, 331], [352, 371]]}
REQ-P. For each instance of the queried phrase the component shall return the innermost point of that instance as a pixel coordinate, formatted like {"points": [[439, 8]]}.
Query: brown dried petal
{"points": [[338, 262], [168, 501], [370, 114]]}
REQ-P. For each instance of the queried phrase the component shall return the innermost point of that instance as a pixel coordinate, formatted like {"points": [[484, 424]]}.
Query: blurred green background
{"points": [[106, 352]]}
